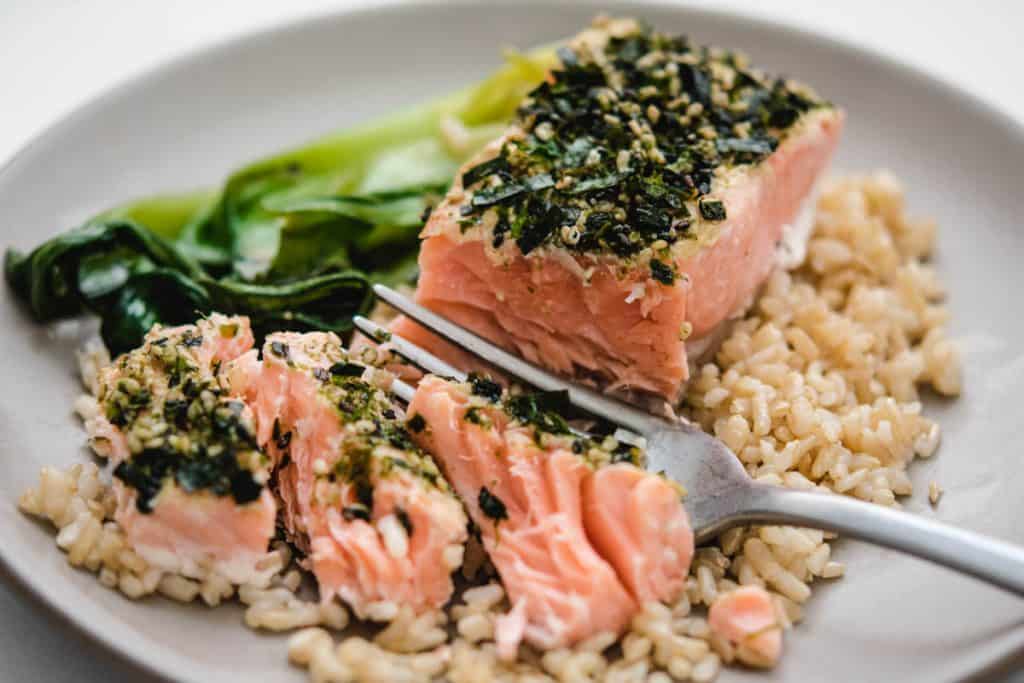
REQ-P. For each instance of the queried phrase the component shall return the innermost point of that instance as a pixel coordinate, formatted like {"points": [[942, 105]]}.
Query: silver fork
{"points": [[720, 493]]}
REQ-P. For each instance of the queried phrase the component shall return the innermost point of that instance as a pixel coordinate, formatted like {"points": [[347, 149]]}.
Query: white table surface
{"points": [[55, 54]]}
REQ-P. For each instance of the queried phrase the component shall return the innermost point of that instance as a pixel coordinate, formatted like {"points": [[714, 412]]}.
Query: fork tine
{"points": [[402, 390], [420, 357], [590, 401], [398, 387]]}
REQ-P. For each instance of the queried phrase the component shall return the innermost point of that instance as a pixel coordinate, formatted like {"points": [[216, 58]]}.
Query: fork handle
{"points": [[997, 562]]}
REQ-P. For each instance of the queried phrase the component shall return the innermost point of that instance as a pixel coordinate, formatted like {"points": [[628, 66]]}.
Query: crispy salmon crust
{"points": [[580, 542]]}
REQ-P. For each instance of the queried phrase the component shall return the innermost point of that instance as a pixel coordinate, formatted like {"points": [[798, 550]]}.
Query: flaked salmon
{"points": [[580, 534], [746, 618], [640, 198], [378, 522], [189, 474]]}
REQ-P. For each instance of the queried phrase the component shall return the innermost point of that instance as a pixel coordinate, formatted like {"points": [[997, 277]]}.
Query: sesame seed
{"points": [[570, 234]]}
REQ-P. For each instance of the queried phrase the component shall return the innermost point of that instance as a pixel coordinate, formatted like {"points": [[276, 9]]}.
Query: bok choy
{"points": [[294, 241]]}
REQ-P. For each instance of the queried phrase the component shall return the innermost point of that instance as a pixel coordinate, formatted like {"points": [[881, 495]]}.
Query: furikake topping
{"points": [[491, 505], [712, 209], [541, 409], [545, 414], [375, 443], [346, 369], [384, 444], [662, 272], [476, 415], [618, 146], [481, 385], [180, 425]]}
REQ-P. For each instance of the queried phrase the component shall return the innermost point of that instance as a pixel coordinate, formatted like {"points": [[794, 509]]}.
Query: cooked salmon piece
{"points": [[642, 195], [636, 521], [580, 535], [189, 475], [378, 522], [746, 618]]}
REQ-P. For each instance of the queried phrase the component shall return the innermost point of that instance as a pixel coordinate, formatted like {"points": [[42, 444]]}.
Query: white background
{"points": [[56, 54]]}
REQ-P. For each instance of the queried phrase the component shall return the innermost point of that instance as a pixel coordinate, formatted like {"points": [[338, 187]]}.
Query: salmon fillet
{"points": [[635, 205], [378, 522], [580, 535], [189, 475]]}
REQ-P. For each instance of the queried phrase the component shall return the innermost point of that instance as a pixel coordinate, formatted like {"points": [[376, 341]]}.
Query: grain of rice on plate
{"points": [[815, 388]]}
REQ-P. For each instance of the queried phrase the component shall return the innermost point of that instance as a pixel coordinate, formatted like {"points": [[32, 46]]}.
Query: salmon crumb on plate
{"points": [[653, 221]]}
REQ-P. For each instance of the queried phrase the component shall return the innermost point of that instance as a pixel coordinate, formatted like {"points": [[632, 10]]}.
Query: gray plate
{"points": [[190, 122]]}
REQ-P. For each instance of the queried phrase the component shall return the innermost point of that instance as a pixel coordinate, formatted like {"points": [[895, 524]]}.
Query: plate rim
{"points": [[152, 664]]}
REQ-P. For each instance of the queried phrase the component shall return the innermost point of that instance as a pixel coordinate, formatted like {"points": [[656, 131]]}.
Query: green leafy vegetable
{"points": [[133, 278], [51, 277], [293, 241]]}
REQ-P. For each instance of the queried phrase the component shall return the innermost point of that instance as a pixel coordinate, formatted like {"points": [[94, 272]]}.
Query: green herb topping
{"points": [[491, 505], [373, 445], [541, 409], [662, 272], [484, 386], [618, 145], [180, 426], [546, 414], [475, 415], [712, 209], [416, 423]]}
